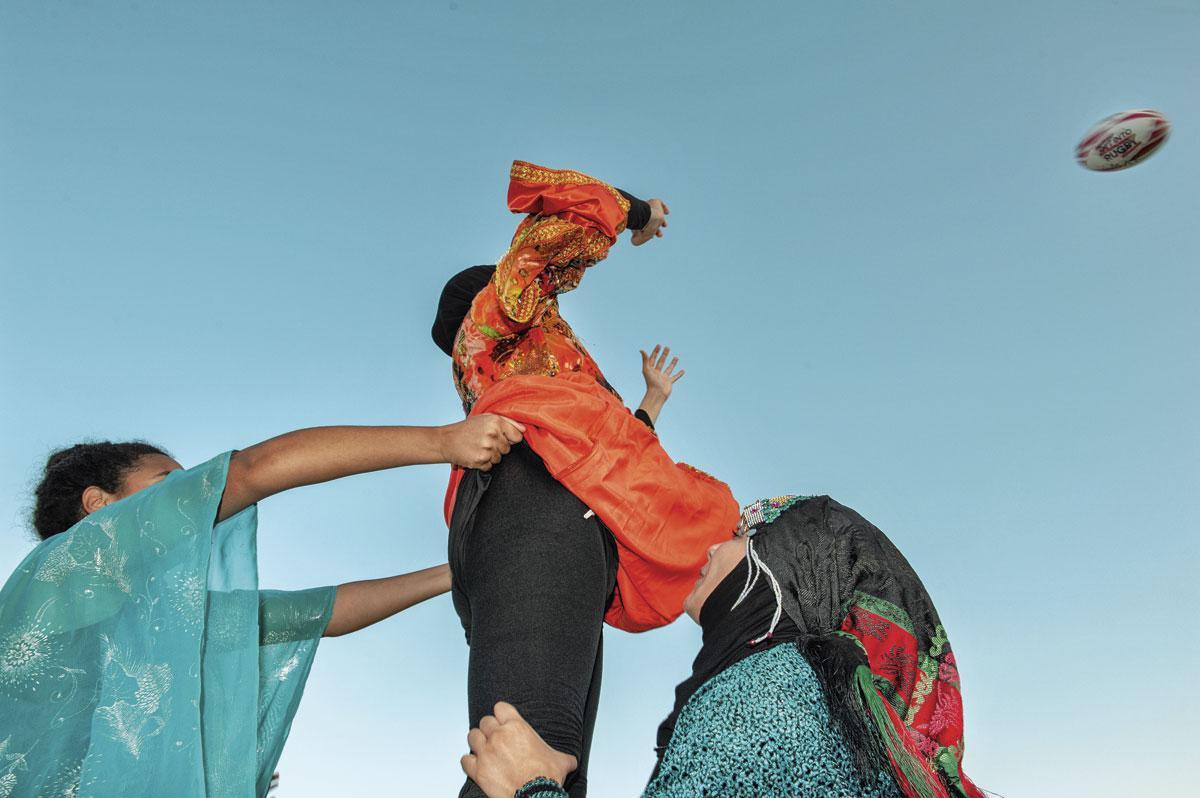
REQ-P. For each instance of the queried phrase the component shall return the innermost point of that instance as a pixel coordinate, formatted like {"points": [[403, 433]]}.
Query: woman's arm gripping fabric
{"points": [[320, 454]]}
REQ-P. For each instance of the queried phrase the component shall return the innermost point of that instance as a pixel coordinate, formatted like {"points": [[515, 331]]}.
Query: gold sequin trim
{"points": [[523, 170]]}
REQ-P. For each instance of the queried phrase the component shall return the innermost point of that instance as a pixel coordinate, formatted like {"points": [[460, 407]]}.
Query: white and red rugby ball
{"points": [[1122, 140]]}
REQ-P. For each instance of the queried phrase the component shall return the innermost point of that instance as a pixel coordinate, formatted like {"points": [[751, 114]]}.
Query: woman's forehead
{"points": [[158, 462]]}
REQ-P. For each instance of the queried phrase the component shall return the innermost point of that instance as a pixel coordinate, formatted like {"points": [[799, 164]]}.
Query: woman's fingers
{"points": [[653, 228], [671, 366], [517, 425], [476, 740], [480, 441], [488, 725], [506, 712], [662, 360], [675, 377], [505, 429]]}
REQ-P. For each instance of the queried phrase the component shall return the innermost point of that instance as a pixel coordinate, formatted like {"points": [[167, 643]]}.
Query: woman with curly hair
{"points": [[138, 655]]}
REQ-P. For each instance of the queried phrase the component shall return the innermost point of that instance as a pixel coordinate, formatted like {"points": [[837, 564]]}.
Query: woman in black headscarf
{"points": [[824, 671]]}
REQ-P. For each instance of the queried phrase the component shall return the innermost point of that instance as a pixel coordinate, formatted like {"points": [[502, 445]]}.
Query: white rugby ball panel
{"points": [[1122, 140]]}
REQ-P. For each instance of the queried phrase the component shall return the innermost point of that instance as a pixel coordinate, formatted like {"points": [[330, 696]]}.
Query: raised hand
{"points": [[506, 753], [654, 228], [658, 373], [660, 378], [480, 441]]}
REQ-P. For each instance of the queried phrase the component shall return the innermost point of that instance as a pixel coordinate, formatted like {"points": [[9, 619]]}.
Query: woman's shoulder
{"points": [[776, 683], [761, 727], [775, 670]]}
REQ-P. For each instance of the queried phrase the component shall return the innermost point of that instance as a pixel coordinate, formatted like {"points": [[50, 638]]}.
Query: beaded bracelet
{"points": [[535, 786]]}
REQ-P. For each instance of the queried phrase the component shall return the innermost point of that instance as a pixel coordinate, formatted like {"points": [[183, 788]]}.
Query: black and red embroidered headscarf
{"points": [[869, 629]]}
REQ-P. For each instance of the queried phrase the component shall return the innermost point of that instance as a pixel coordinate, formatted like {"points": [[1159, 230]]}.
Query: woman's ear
{"points": [[94, 498]]}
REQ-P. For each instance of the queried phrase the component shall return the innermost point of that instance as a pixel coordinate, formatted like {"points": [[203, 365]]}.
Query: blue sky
{"points": [[885, 275]]}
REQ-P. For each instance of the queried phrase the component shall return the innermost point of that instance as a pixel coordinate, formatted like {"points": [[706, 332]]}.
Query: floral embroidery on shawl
{"points": [[920, 686]]}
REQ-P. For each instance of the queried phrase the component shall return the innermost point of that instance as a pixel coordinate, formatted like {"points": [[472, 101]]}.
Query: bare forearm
{"points": [[360, 604], [319, 454], [653, 403]]}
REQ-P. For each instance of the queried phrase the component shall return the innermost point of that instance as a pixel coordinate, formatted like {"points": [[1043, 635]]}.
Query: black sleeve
{"points": [[639, 211], [644, 417]]}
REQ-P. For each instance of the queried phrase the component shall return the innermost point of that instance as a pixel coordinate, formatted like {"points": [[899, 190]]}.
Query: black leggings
{"points": [[532, 580]]}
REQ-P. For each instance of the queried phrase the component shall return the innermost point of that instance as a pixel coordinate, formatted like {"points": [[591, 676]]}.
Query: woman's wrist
{"points": [[652, 403], [441, 442]]}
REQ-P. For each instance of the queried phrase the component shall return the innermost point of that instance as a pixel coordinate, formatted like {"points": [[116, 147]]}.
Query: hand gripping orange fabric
{"points": [[664, 515]]}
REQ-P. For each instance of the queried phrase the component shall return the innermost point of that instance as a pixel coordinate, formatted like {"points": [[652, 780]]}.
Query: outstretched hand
{"points": [[506, 753], [660, 379], [654, 228], [480, 441], [658, 373]]}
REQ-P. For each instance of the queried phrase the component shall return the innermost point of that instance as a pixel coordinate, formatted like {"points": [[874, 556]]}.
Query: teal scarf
{"points": [[139, 657]]}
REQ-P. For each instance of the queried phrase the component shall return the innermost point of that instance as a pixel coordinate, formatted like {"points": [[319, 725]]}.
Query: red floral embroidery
{"points": [[946, 670], [933, 718], [947, 714], [899, 667], [867, 623], [927, 747]]}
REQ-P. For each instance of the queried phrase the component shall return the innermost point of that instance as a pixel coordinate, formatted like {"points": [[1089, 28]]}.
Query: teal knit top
{"points": [[759, 729]]}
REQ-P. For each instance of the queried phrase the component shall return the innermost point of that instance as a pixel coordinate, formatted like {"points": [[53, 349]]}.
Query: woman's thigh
{"points": [[536, 577]]}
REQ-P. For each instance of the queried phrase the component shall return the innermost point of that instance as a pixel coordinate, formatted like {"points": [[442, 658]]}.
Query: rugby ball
{"points": [[1122, 140]]}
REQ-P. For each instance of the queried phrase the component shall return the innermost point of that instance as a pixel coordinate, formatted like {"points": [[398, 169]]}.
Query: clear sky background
{"points": [[886, 276]]}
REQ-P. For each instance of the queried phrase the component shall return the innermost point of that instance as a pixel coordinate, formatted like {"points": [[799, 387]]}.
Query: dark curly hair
{"points": [[58, 499]]}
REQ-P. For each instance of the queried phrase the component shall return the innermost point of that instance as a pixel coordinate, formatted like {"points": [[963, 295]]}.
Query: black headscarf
{"points": [[728, 632], [827, 559], [818, 553], [455, 302]]}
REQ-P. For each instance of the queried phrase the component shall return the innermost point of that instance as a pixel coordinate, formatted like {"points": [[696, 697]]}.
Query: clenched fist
{"points": [[480, 441], [655, 227]]}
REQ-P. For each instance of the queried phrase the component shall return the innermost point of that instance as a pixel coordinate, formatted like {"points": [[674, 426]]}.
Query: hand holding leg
{"points": [[506, 753]]}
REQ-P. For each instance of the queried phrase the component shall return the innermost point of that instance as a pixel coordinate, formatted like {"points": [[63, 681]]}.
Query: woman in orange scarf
{"points": [[590, 521]]}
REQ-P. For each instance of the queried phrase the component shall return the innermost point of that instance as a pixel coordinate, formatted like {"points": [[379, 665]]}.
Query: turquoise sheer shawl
{"points": [[138, 656]]}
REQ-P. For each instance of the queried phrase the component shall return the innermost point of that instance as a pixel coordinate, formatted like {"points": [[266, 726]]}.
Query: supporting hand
{"points": [[507, 753]]}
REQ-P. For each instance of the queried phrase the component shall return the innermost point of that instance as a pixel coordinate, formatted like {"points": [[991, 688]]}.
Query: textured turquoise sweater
{"points": [[758, 729]]}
